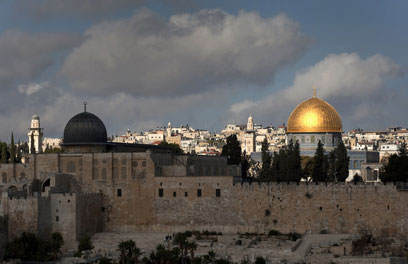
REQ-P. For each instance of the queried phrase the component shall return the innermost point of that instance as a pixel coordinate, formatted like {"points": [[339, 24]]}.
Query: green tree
{"points": [[175, 148], [12, 150], [232, 150], [32, 148], [275, 168], [129, 253], [85, 243], [341, 163], [163, 255], [397, 167], [320, 167]]}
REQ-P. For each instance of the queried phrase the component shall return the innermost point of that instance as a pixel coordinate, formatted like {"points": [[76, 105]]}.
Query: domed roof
{"points": [[85, 128], [314, 116], [36, 117]]}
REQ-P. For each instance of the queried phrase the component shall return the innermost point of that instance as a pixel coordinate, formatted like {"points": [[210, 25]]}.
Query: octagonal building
{"points": [[312, 121]]}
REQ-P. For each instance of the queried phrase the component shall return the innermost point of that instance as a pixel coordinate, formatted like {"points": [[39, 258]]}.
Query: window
{"points": [[56, 218], [160, 192], [185, 194], [71, 167], [218, 192], [312, 139], [144, 163], [115, 173], [95, 173], [174, 194], [198, 192], [119, 192]]}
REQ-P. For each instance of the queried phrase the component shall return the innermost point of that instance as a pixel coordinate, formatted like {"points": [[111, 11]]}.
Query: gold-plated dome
{"points": [[314, 116]]}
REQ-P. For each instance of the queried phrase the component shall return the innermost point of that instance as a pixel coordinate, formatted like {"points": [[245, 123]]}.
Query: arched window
{"points": [[4, 177], [312, 139], [123, 172], [369, 172], [375, 175], [355, 164], [71, 167], [45, 184], [115, 173], [22, 175]]}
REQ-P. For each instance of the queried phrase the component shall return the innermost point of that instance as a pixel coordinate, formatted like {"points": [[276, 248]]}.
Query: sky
{"points": [[140, 64]]}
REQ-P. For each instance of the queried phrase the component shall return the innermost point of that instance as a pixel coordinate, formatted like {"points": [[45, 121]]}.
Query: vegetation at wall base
{"points": [[28, 247]]}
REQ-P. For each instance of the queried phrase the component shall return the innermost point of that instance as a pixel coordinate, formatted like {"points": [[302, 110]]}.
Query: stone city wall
{"points": [[22, 216], [283, 207]]}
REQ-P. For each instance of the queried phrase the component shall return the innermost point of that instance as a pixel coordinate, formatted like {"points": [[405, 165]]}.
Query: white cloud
{"points": [[189, 53], [355, 86], [32, 88]]}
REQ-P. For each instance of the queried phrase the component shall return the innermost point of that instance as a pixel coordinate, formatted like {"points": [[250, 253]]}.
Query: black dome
{"points": [[85, 128]]}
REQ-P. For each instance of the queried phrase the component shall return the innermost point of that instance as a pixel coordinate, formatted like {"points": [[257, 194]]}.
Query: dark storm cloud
{"points": [[146, 55], [25, 56], [43, 9]]}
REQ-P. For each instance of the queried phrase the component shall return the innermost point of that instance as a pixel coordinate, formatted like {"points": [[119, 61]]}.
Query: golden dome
{"points": [[314, 116]]}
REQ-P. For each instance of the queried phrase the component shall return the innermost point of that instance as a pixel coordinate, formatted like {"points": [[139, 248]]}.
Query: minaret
{"points": [[169, 130], [250, 124], [35, 132]]}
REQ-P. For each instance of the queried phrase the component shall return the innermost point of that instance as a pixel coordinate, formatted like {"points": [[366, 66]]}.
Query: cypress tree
{"points": [[320, 168], [3, 153], [232, 150], [342, 163], [275, 167], [283, 165], [265, 174], [32, 148], [12, 150], [332, 166], [295, 164]]}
